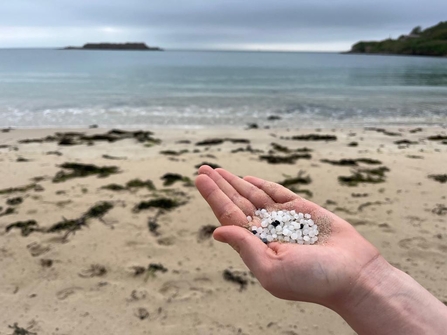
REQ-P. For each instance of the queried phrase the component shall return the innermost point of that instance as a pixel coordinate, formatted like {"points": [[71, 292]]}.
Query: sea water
{"points": [[60, 88]]}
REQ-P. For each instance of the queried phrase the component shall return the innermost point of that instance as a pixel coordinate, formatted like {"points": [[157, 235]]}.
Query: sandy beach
{"points": [[103, 232]]}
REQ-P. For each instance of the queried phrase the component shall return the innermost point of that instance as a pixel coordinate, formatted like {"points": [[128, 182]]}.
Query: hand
{"points": [[342, 271], [323, 273]]}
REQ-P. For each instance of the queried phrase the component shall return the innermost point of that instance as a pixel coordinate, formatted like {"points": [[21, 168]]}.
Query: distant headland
{"points": [[115, 46], [429, 42]]}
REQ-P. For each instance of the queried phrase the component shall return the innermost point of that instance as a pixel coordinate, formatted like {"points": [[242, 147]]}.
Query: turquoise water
{"points": [[42, 87]]}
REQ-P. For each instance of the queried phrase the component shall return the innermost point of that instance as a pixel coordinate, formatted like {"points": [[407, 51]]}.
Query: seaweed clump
{"points": [[78, 170], [312, 137], [78, 138], [8, 211], [352, 162], [217, 141], [71, 226], [14, 201], [294, 183], [290, 159], [131, 184], [372, 176], [213, 165], [26, 227], [18, 189], [138, 183], [206, 232], [171, 178], [161, 203], [284, 149], [235, 277], [441, 178], [20, 331]]}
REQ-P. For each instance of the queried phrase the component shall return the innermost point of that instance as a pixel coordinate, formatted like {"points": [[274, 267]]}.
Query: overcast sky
{"points": [[319, 25]]}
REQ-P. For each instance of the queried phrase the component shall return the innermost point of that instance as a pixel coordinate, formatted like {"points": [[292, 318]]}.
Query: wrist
{"points": [[385, 300]]}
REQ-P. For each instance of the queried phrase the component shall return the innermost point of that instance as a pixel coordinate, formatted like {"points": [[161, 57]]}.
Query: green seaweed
{"points": [[162, 203], [171, 178], [79, 170], [99, 210], [353, 144], [26, 227], [138, 183], [68, 225]]}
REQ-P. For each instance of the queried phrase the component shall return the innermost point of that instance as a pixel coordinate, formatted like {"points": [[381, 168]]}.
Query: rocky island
{"points": [[429, 42], [115, 46]]}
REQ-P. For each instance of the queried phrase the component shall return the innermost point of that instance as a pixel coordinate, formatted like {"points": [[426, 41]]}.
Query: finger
{"points": [[252, 250], [278, 193], [255, 195], [245, 205], [224, 209]]}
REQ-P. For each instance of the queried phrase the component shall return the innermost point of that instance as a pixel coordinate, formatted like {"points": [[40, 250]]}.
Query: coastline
{"points": [[96, 279]]}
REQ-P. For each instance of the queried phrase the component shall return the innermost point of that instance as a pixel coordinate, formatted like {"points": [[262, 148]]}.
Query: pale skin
{"points": [[343, 271]]}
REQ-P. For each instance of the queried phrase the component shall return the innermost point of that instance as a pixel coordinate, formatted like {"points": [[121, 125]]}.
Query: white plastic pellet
{"points": [[284, 226]]}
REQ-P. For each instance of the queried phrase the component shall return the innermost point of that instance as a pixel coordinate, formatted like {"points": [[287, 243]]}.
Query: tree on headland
{"points": [[416, 30]]}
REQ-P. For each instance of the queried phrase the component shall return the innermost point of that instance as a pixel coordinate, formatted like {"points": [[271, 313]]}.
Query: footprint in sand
{"points": [[66, 292], [37, 249], [181, 290]]}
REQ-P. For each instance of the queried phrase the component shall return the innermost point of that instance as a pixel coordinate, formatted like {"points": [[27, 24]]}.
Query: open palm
{"points": [[323, 273]]}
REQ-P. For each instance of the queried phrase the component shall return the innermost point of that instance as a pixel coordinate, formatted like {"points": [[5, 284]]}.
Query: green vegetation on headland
{"points": [[115, 46], [429, 42]]}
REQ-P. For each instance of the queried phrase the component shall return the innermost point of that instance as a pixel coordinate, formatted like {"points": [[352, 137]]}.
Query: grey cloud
{"points": [[223, 21]]}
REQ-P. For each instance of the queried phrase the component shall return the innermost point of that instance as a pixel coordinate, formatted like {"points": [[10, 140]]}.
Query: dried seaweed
{"points": [[137, 183], [235, 277], [299, 179], [14, 201], [20, 331], [372, 176], [352, 162], [78, 170], [162, 203], [442, 178], [212, 165], [174, 153], [217, 141], [206, 232], [26, 227], [312, 137], [18, 189], [290, 159], [171, 178]]}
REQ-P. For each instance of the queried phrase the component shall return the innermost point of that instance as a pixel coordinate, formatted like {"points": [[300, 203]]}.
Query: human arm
{"points": [[343, 271]]}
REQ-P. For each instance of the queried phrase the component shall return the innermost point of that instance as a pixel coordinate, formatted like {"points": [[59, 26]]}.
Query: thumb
{"points": [[251, 249]]}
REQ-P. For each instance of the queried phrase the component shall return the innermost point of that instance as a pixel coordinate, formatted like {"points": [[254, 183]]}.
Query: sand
{"points": [[95, 280]]}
